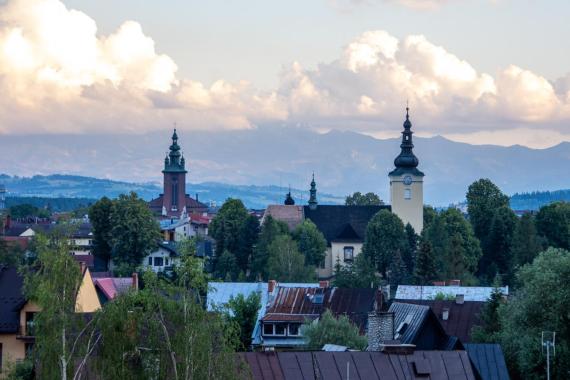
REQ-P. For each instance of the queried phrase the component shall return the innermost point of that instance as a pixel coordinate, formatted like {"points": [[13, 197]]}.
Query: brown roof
{"points": [[300, 303], [191, 204], [461, 319], [433, 365], [292, 215]]}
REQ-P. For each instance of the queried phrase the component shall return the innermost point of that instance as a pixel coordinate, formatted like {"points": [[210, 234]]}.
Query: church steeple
{"points": [[174, 162], [289, 201], [406, 161], [313, 198]]}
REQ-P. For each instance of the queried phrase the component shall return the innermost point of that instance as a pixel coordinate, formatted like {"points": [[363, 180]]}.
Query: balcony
{"points": [[27, 332]]}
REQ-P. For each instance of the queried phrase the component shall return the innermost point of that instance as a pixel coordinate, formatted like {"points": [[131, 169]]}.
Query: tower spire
{"points": [[406, 161], [289, 201], [313, 192], [174, 161]]}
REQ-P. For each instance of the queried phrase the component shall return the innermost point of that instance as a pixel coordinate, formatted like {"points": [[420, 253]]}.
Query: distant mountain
{"points": [[537, 199], [87, 188], [343, 162]]}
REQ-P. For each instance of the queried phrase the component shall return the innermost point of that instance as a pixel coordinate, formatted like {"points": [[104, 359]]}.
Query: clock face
{"points": [[407, 180]]}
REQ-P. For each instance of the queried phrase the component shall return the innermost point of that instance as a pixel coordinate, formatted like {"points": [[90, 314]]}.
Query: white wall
{"points": [[409, 210]]}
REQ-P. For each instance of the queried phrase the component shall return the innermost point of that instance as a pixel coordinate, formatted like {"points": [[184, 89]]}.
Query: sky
{"points": [[476, 71]]}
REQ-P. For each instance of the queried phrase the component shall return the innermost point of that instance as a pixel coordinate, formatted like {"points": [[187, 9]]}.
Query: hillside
{"points": [[537, 199]]}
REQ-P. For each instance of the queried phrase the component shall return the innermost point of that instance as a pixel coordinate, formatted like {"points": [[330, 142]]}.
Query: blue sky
{"points": [[478, 71]]}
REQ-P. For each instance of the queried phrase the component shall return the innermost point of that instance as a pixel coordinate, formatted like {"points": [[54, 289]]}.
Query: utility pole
{"points": [[548, 343]]}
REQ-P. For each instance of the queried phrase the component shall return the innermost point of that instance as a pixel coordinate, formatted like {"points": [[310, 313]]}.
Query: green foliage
{"points": [[410, 250], [311, 242], [270, 229], [249, 232], [243, 311], [53, 204], [359, 199], [10, 255], [497, 254], [542, 303], [226, 267], [483, 198], [27, 210], [526, 242], [425, 268], [331, 330], [490, 321], [22, 370], [398, 273], [553, 223], [384, 237], [100, 218], [360, 274], [439, 296], [286, 263], [429, 216], [134, 232], [536, 199], [226, 226]]}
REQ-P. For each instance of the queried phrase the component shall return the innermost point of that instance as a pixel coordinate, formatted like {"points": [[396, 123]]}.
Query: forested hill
{"points": [[537, 199], [46, 190]]}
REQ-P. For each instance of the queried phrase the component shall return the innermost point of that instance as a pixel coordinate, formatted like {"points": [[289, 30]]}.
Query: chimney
{"points": [[445, 314], [324, 284], [460, 299], [380, 329], [271, 284], [135, 284], [454, 282]]}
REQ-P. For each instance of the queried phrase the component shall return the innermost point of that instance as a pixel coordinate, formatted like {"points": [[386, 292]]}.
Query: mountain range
{"points": [[276, 157]]}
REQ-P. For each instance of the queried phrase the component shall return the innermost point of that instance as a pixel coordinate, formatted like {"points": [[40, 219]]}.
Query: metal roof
{"points": [[470, 293], [488, 360], [433, 365]]}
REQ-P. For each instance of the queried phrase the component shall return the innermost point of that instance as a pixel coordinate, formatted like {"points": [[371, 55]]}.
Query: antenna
{"points": [[548, 342]]}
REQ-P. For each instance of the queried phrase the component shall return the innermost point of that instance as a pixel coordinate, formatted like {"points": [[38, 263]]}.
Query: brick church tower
{"points": [[174, 202]]}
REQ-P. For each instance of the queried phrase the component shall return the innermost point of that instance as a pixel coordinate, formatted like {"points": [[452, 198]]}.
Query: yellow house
{"points": [[17, 315]]}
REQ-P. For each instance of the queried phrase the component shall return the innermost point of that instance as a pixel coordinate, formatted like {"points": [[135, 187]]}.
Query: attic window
{"points": [[318, 299], [348, 254]]}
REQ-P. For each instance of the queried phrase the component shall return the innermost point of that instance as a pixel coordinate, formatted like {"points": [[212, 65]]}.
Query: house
{"points": [[469, 293], [219, 294], [457, 317], [488, 360], [108, 287], [166, 256], [433, 365], [408, 324], [290, 307]]}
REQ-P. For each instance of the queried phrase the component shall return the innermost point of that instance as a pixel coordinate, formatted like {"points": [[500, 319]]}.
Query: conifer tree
{"points": [[425, 268], [526, 243], [398, 272]]}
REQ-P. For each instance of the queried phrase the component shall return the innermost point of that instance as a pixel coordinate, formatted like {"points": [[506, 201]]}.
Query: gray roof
{"points": [[408, 320], [488, 360], [471, 293]]}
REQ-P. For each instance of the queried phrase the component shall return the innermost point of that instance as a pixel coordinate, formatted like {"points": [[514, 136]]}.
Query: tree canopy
{"points": [[359, 199], [331, 330], [286, 263], [384, 237], [311, 242]]}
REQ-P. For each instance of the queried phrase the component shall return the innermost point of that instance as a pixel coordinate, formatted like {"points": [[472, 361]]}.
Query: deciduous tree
{"points": [[311, 242], [286, 263], [553, 223], [359, 199], [384, 237], [331, 330]]}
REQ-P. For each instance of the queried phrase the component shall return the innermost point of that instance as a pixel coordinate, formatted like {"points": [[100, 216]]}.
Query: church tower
{"points": [[174, 196], [406, 182]]}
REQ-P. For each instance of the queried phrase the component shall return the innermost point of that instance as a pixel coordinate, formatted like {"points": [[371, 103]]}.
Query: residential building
{"points": [[306, 365], [469, 293], [174, 202], [488, 361]]}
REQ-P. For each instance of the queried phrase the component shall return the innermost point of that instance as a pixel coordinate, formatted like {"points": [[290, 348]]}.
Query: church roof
{"points": [[406, 161], [156, 204], [338, 222]]}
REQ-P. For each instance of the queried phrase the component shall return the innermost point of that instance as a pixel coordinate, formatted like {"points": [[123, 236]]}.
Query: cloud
{"points": [[57, 74], [420, 5]]}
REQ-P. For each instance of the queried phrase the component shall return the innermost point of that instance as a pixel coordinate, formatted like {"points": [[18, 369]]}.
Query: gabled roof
{"points": [[298, 304], [461, 317], [11, 299], [332, 220], [113, 286], [470, 293], [433, 365], [290, 214], [488, 360]]}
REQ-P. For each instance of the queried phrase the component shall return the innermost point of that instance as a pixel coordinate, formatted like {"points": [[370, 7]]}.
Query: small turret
{"points": [[174, 161], [289, 201], [313, 194]]}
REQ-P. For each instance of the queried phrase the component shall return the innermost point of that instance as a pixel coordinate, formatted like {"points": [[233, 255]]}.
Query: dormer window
{"points": [[348, 254]]}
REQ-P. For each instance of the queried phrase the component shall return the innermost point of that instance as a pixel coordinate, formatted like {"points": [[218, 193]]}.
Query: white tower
{"points": [[2, 197], [406, 182]]}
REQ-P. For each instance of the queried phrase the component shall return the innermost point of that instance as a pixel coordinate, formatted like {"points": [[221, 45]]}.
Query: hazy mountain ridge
{"points": [[343, 162]]}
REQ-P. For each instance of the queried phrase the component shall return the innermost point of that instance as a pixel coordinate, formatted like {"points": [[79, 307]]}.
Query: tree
{"points": [[410, 250], [331, 330], [553, 223], [384, 237], [425, 268], [286, 263], [27, 210], [64, 339], [248, 235], [541, 303], [398, 273], [360, 274], [483, 198], [526, 243], [311, 242], [100, 218], [455, 260], [243, 312], [226, 267], [489, 317], [359, 199], [135, 232], [227, 225], [429, 216], [497, 255], [270, 229]]}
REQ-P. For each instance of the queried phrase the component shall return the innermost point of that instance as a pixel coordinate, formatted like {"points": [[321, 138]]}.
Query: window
{"points": [[407, 194], [158, 261], [150, 261], [30, 324], [268, 328], [166, 261], [294, 329], [348, 254], [280, 328]]}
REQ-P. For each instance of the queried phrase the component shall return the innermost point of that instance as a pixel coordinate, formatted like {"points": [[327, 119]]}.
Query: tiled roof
{"points": [[433, 365], [292, 215], [471, 293], [191, 203], [488, 360], [113, 286], [332, 220], [11, 299], [461, 317]]}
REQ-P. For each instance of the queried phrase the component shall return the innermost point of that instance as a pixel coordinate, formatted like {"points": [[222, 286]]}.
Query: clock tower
{"points": [[406, 182]]}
